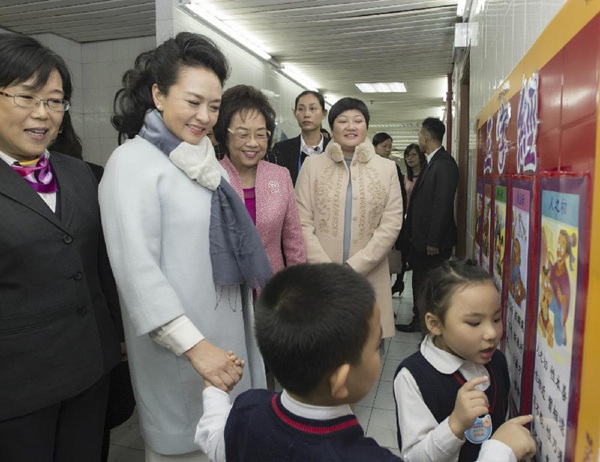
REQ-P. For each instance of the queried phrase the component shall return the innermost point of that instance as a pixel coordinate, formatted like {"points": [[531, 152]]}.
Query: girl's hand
{"points": [[517, 437], [470, 404]]}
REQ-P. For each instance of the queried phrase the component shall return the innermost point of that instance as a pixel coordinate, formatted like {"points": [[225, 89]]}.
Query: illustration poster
{"points": [[487, 222], [478, 222], [499, 238], [558, 343], [517, 290]]}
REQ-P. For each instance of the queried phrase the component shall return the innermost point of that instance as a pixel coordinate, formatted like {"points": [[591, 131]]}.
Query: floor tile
{"points": [[385, 397], [363, 413], [400, 350], [121, 454], [382, 427]]}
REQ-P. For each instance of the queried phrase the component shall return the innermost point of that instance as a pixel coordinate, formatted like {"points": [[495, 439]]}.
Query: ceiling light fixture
{"points": [[240, 37], [384, 87], [293, 73]]}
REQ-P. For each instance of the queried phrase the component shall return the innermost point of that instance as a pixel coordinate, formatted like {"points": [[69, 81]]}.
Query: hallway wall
{"points": [[503, 33]]}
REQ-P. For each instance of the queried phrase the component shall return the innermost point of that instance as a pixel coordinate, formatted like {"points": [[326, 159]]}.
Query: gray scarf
{"points": [[236, 251]]}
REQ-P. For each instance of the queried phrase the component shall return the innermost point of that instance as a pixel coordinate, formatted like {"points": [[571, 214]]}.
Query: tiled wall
{"points": [[505, 32], [245, 67], [97, 69]]}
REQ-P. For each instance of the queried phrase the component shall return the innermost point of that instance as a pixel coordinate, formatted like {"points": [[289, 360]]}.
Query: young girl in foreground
{"points": [[453, 393]]}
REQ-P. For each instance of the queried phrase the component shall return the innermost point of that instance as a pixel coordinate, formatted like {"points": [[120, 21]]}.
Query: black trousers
{"points": [[69, 431], [422, 264]]}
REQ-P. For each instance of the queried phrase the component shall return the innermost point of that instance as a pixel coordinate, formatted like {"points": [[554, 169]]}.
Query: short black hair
{"points": [[347, 104], [23, 57], [435, 127], [242, 99], [311, 319], [380, 138], [316, 94]]}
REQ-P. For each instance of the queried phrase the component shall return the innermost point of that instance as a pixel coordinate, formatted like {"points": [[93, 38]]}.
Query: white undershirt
{"points": [[423, 439]]}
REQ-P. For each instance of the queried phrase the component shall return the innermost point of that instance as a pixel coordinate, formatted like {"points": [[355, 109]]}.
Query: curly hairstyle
{"points": [[242, 99], [161, 66]]}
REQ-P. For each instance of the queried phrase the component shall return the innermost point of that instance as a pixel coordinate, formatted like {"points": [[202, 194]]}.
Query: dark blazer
{"points": [[430, 219], [287, 154], [56, 333]]}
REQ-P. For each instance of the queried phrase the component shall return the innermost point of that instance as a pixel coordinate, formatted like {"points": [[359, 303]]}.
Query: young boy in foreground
{"points": [[318, 330]]}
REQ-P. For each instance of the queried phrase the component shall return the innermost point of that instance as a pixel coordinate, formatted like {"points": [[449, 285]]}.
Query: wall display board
{"points": [[540, 131], [487, 225], [519, 296], [560, 312], [499, 231], [477, 242]]}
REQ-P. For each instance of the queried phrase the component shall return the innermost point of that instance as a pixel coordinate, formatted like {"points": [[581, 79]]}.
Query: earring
{"points": [[160, 108]]}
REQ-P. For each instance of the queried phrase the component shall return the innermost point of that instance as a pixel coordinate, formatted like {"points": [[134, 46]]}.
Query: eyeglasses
{"points": [[244, 135], [31, 101]]}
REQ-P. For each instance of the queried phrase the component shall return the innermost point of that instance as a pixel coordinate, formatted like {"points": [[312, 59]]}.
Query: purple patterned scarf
{"points": [[38, 175]]}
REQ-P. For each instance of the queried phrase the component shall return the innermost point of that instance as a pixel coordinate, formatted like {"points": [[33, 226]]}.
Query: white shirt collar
{"points": [[447, 363], [309, 411], [311, 150], [430, 155]]}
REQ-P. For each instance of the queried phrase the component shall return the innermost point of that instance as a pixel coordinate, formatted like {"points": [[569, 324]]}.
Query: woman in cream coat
{"points": [[350, 203]]}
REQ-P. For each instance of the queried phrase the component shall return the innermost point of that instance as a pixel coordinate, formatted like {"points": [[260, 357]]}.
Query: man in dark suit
{"points": [[430, 220], [58, 341], [309, 110]]}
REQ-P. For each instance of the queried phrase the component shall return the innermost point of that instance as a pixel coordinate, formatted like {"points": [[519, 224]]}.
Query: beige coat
{"points": [[376, 215]]}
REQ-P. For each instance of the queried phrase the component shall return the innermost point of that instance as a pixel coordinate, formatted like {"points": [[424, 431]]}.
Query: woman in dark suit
{"points": [[57, 339], [309, 110]]}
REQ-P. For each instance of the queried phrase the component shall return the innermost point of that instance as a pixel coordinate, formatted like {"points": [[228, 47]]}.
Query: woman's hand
{"points": [[470, 404], [218, 367]]}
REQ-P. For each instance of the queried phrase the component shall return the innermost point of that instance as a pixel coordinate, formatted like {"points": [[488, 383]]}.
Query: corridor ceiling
{"points": [[335, 43]]}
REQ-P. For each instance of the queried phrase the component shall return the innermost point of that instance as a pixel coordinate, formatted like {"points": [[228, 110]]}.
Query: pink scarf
{"points": [[39, 175]]}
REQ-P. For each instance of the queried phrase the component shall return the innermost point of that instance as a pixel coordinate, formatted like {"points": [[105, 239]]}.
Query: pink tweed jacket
{"points": [[277, 219]]}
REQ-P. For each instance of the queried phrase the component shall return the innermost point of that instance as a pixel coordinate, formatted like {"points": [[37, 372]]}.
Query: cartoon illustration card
{"points": [[487, 223], [478, 222], [499, 236], [560, 305], [518, 281]]}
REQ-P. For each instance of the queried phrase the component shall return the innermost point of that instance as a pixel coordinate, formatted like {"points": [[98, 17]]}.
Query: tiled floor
{"points": [[375, 412]]}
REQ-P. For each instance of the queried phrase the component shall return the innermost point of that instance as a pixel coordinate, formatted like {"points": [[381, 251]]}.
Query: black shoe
{"points": [[413, 326], [398, 287]]}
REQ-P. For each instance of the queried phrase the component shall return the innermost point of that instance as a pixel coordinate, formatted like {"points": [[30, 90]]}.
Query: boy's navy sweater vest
{"points": [[439, 393], [259, 428]]}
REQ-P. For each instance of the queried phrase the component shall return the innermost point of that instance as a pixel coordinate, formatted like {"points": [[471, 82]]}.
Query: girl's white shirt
{"points": [[423, 439]]}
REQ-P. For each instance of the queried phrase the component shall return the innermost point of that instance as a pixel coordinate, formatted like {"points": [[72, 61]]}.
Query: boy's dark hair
{"points": [[435, 127], [161, 66], [242, 99], [311, 319], [442, 283]]}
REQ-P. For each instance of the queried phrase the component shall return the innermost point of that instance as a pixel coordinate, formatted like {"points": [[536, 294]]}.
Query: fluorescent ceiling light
{"points": [[389, 87], [293, 73], [240, 37]]}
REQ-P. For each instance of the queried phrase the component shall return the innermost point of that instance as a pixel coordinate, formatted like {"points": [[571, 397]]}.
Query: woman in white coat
{"points": [[165, 210], [350, 203]]}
